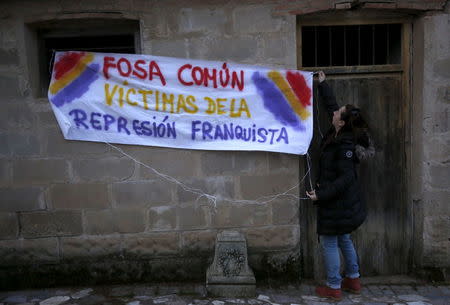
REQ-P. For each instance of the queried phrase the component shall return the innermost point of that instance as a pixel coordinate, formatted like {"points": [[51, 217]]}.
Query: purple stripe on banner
{"points": [[275, 102], [77, 87]]}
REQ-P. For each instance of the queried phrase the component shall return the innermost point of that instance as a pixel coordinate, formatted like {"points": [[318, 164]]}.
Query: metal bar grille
{"points": [[352, 41]]}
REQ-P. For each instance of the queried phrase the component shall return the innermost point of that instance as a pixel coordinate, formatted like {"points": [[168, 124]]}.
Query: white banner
{"points": [[182, 103]]}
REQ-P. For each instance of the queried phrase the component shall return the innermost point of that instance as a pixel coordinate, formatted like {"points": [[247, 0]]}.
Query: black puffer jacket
{"points": [[341, 209]]}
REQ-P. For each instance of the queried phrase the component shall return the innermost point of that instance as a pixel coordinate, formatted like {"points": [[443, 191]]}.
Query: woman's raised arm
{"points": [[327, 95]]}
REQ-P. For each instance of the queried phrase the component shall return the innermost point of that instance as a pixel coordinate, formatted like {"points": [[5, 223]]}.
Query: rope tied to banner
{"points": [[213, 199], [199, 193]]}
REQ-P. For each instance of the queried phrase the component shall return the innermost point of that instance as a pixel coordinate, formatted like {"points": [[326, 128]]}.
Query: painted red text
{"points": [[140, 68], [189, 75]]}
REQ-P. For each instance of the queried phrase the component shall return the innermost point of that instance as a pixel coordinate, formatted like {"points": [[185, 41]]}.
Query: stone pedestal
{"points": [[229, 275]]}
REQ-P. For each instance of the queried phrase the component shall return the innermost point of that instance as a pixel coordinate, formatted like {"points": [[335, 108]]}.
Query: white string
{"points": [[308, 162], [316, 101], [212, 198], [51, 62]]}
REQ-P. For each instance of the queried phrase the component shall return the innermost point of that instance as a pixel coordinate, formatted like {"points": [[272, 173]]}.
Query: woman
{"points": [[337, 194]]}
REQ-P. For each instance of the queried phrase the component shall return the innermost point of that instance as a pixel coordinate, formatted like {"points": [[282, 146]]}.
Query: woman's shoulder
{"points": [[346, 140]]}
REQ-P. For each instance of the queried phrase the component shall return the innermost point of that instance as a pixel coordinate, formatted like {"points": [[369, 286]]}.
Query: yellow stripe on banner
{"points": [[72, 74], [282, 84]]}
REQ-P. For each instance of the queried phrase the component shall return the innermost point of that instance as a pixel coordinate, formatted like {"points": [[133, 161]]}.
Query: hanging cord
{"points": [[308, 162], [211, 198], [52, 58], [316, 101]]}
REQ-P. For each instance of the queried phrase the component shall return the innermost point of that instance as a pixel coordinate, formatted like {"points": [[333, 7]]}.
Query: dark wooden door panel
{"points": [[383, 241]]}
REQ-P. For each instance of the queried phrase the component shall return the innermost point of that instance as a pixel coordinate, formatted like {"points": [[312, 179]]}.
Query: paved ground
{"points": [[374, 293]]}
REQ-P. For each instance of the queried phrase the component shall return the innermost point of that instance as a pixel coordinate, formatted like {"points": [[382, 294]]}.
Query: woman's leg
{"points": [[332, 261], [351, 259]]}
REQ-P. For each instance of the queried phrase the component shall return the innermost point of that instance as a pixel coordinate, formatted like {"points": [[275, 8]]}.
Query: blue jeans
{"points": [[330, 244]]}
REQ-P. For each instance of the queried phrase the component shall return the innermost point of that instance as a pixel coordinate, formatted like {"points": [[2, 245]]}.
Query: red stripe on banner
{"points": [[66, 63], [301, 89]]}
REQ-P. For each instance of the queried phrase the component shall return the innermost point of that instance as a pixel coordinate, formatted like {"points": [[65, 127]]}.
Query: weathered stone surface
{"points": [[162, 218], [237, 215], [81, 294], [40, 171], [58, 223], [441, 121], [29, 251], [216, 163], [198, 241], [253, 187], [436, 203], [275, 47], [4, 146], [9, 86], [155, 24], [115, 221], [285, 211], [9, 225], [56, 145], [176, 163], [438, 149], [440, 176], [55, 300], [191, 217], [5, 175], [105, 169], [221, 187], [255, 19], [202, 19], [21, 199], [149, 193], [81, 195], [9, 57], [272, 237], [15, 144], [47, 119], [437, 228], [237, 49], [99, 222], [254, 162], [436, 254], [444, 94], [170, 47], [15, 299], [15, 116], [229, 275], [90, 247], [144, 246], [283, 163], [442, 68]]}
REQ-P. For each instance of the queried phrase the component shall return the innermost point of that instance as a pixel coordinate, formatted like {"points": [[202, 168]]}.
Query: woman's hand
{"points": [[321, 76], [312, 195]]}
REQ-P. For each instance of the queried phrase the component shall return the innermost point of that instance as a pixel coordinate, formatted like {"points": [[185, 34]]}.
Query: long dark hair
{"points": [[355, 123]]}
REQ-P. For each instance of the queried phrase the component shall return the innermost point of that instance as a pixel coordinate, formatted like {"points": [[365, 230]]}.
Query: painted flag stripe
{"points": [[284, 87], [70, 76], [78, 87], [66, 63], [275, 102], [301, 89]]}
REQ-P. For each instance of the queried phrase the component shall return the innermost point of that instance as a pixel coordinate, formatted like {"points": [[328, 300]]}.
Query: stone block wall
{"points": [[431, 193], [82, 212]]}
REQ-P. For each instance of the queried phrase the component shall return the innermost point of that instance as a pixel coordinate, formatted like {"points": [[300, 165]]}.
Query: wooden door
{"points": [[384, 241]]}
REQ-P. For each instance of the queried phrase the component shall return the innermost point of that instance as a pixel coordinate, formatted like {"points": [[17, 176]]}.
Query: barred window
{"points": [[351, 45], [105, 36]]}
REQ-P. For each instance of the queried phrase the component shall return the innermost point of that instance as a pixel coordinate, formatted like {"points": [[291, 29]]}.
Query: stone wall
{"points": [[303, 7], [80, 212], [431, 153]]}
